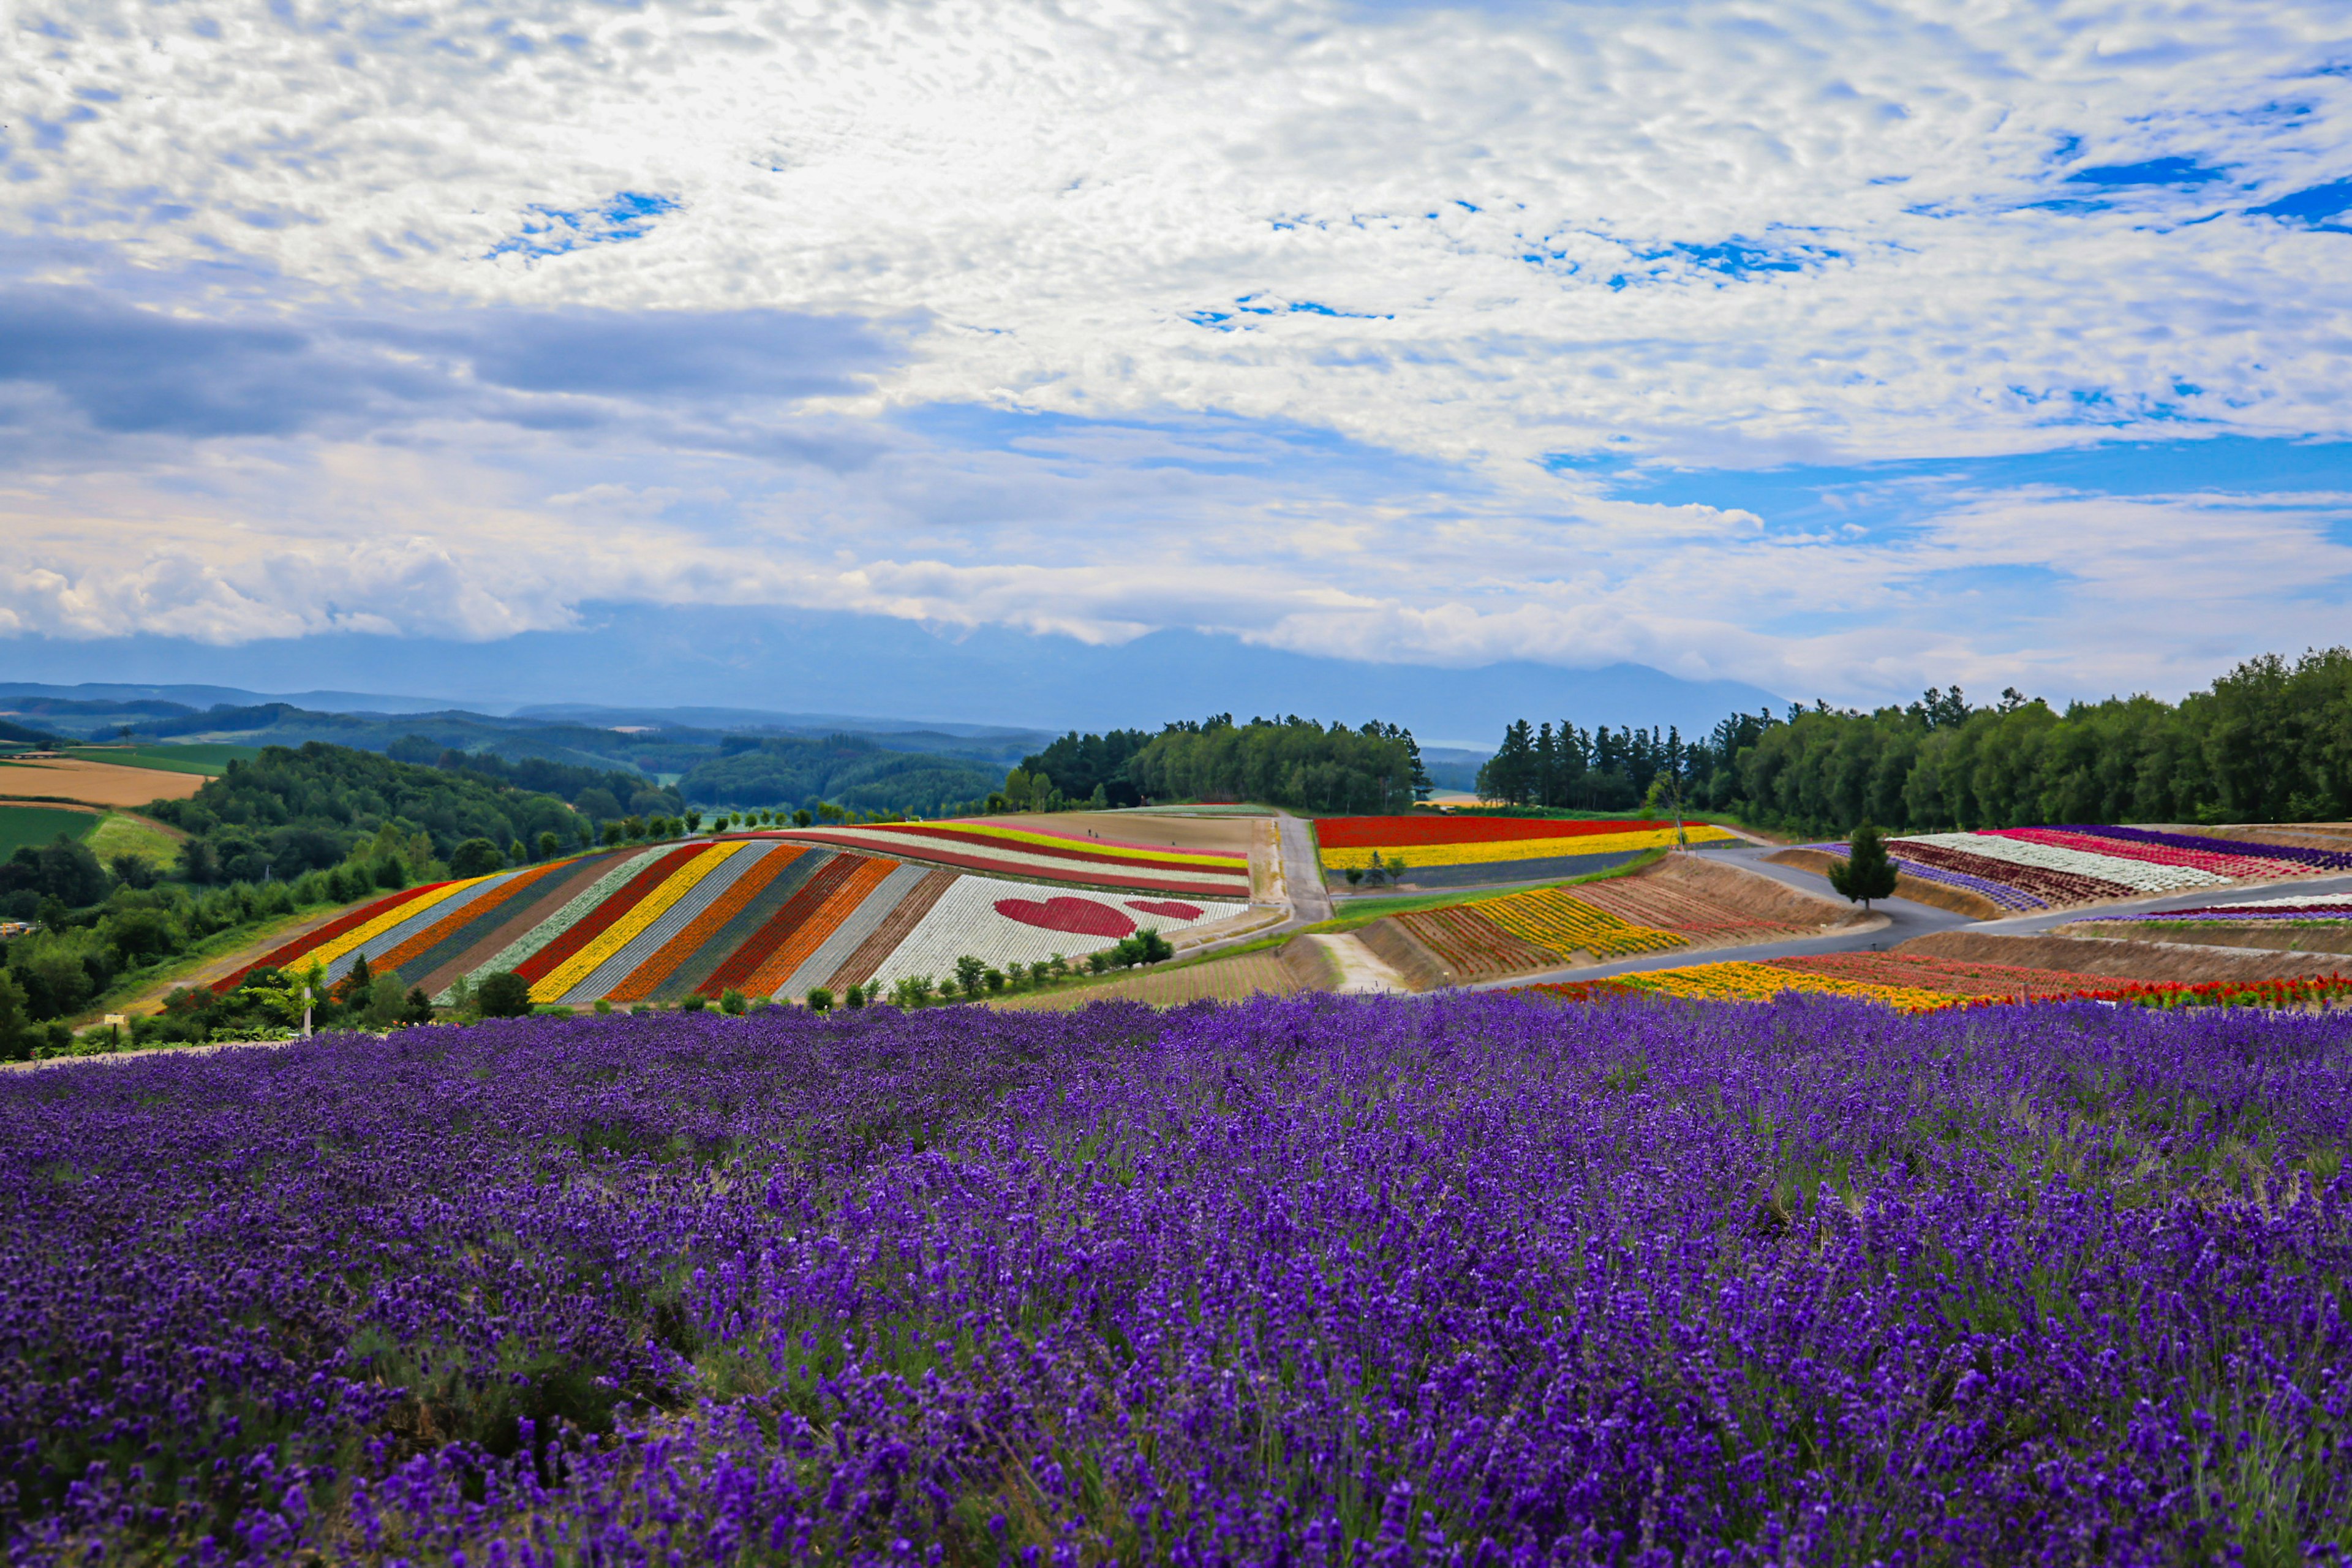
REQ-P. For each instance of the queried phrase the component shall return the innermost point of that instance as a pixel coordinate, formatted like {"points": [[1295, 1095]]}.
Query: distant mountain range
{"points": [[718, 667]]}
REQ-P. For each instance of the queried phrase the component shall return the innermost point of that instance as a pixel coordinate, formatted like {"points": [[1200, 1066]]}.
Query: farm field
{"points": [[1016, 846], [1440, 851], [2018, 869], [94, 783], [207, 758], [1681, 901], [23, 826], [754, 913], [2292, 924], [585, 1221]]}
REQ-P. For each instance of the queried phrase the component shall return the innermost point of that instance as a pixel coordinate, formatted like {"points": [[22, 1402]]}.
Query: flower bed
{"points": [[2223, 866], [1495, 851], [1322, 1280], [1080, 862], [1565, 923]]}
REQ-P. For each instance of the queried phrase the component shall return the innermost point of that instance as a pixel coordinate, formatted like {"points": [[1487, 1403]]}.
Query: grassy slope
{"points": [[36, 824], [127, 833]]}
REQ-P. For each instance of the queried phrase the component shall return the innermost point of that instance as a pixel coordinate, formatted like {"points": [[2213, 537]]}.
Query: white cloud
{"points": [[1467, 239]]}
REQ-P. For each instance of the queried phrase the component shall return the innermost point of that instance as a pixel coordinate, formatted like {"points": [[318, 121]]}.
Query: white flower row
{"points": [[2142, 876], [965, 921]]}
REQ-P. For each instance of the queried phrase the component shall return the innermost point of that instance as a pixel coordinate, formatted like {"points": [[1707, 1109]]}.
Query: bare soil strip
{"points": [[2177, 963]]}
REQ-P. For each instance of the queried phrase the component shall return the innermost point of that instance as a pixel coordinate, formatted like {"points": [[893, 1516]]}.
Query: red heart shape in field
{"points": [[1082, 916], [1171, 910]]}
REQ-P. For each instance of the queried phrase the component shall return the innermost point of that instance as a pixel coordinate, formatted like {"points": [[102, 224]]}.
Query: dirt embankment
{"points": [[1404, 953], [1919, 891], [2172, 962], [1735, 891], [2263, 936]]}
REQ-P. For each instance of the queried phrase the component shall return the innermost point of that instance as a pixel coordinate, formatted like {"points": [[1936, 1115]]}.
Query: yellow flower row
{"points": [[400, 913], [1555, 921], [1099, 846], [1523, 848], [1735, 981], [621, 932]]}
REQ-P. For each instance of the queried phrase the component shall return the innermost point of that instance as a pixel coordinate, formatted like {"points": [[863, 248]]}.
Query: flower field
{"points": [[1045, 857], [753, 913], [1665, 908], [1423, 841], [2045, 868], [1321, 1280], [1919, 983]]}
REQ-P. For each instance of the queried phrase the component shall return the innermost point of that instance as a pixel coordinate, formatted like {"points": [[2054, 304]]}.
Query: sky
{"points": [[1834, 349]]}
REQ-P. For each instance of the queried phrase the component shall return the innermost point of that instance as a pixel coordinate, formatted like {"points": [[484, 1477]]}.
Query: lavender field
{"points": [[1466, 1278]]}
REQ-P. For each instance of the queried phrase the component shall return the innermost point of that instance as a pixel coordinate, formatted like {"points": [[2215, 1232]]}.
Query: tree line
{"points": [[2269, 741], [1290, 761]]}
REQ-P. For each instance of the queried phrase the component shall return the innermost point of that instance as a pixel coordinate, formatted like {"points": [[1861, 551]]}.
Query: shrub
{"points": [[503, 995], [820, 1000], [475, 858], [731, 1001]]}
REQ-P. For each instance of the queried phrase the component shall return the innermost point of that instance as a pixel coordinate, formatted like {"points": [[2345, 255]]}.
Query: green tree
{"points": [[15, 1020], [503, 994], [475, 858], [1866, 872]]}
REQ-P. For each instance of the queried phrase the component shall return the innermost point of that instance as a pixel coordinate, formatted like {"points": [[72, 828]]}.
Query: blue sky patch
{"points": [[2313, 205], [628, 215], [2153, 172]]}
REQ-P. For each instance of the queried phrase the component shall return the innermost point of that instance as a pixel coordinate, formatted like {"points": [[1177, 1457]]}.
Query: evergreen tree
{"points": [[1866, 872]]}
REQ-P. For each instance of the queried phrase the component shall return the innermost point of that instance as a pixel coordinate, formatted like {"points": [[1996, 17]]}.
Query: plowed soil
{"points": [[1713, 903], [2262, 935]]}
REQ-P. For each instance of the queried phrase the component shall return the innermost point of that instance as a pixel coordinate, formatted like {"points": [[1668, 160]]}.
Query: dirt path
{"points": [[1362, 971]]}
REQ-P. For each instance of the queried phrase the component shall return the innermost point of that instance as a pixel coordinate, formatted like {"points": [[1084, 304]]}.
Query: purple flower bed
{"points": [[2001, 893], [2319, 859], [1458, 1279], [2304, 913]]}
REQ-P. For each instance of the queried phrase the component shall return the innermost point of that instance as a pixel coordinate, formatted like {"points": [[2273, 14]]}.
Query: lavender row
{"points": [[1465, 1279], [2304, 913], [2001, 893], [2320, 859]]}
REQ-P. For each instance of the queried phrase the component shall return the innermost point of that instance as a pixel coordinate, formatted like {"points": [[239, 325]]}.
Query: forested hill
{"points": [[848, 770], [2269, 741], [292, 811]]}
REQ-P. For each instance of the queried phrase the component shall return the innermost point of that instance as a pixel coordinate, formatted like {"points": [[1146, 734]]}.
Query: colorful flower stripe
{"points": [[2229, 867], [686, 870], [492, 922], [1739, 981], [2054, 887], [1472, 946], [350, 919], [1064, 843], [328, 951], [862, 966], [672, 905], [865, 874], [552, 929], [588, 927], [697, 932], [397, 927], [1565, 925], [825, 959], [1043, 867], [451, 921], [2137, 874], [2308, 991], [806, 900], [1498, 853], [746, 924], [2001, 893], [2318, 859], [1384, 833]]}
